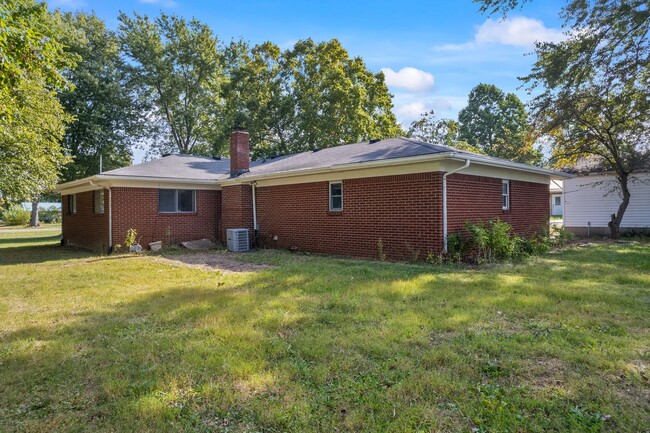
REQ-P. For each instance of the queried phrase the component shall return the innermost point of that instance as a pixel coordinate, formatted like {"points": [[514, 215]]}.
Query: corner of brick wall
{"points": [[237, 208], [85, 228]]}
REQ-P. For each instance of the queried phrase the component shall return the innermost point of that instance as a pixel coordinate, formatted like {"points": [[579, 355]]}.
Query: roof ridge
{"points": [[427, 145]]}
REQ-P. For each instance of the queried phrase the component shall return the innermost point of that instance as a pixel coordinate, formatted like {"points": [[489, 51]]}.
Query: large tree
{"points": [[177, 64], [439, 131], [497, 123], [596, 88], [31, 119], [108, 117], [313, 95]]}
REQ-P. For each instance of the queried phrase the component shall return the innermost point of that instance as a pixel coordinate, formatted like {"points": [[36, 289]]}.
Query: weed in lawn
{"points": [[557, 343]]}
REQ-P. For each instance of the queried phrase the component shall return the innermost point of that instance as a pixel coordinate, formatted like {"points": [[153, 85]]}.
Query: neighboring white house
{"points": [[589, 202], [557, 204]]}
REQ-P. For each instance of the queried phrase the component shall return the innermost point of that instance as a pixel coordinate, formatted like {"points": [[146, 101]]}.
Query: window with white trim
{"points": [[336, 196], [176, 200], [505, 194], [72, 204], [98, 201]]}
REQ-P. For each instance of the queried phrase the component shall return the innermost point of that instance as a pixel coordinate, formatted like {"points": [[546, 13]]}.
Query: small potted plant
{"points": [[155, 246]]}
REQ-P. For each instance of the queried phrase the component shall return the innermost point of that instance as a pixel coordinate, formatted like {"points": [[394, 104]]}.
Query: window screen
{"points": [[176, 200], [167, 200], [185, 200], [505, 195], [72, 204], [336, 196]]}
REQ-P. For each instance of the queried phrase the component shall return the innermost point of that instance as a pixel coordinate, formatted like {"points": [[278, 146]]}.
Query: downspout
{"points": [[110, 221], [255, 228], [444, 203], [253, 185]]}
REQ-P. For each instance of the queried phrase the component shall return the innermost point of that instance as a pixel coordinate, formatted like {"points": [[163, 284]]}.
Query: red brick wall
{"points": [[240, 154], [237, 208], [85, 228], [475, 198], [403, 211], [138, 208]]}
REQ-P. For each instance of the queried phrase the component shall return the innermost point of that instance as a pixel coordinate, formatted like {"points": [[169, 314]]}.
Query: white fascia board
{"points": [[107, 181], [333, 168], [553, 174]]}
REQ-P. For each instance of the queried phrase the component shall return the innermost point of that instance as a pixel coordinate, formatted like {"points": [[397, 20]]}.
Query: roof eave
{"points": [[333, 168], [553, 174], [107, 181]]}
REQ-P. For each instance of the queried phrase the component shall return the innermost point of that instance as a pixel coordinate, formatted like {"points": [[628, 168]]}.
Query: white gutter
{"points": [[444, 203], [110, 219], [477, 159], [110, 178], [253, 185], [454, 156], [333, 168], [484, 160]]}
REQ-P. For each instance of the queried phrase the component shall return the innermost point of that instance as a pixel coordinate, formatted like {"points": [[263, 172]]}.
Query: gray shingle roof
{"points": [[204, 168], [390, 148], [191, 167], [177, 167]]}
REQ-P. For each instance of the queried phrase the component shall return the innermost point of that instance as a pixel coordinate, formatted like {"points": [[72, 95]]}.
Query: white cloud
{"points": [[408, 78], [518, 31], [410, 111]]}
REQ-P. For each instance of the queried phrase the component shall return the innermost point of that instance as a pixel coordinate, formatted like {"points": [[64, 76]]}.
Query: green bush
{"points": [[49, 215], [16, 215], [490, 242], [494, 241]]}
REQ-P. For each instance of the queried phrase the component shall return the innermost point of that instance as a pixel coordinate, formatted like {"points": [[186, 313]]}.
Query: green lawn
{"points": [[125, 343]]}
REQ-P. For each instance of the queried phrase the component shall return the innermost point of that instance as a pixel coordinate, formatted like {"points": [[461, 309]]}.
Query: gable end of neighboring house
{"points": [[396, 198]]}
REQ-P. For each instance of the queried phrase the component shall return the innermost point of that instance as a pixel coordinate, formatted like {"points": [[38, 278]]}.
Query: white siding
{"points": [[593, 199]]}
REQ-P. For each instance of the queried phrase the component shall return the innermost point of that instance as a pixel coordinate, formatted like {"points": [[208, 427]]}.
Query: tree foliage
{"points": [[177, 65], [497, 123], [443, 132], [31, 118], [313, 95], [596, 88], [108, 117]]}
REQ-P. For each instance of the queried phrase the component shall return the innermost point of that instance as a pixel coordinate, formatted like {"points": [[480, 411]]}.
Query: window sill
{"points": [[335, 212], [176, 213]]}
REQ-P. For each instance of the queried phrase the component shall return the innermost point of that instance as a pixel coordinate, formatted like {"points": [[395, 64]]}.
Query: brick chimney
{"points": [[240, 152]]}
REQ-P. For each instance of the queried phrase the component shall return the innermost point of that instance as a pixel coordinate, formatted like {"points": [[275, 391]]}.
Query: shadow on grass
{"points": [[40, 253], [29, 240], [316, 345]]}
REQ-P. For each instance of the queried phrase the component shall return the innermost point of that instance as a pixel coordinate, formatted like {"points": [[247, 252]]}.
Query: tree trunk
{"points": [[34, 219], [615, 223]]}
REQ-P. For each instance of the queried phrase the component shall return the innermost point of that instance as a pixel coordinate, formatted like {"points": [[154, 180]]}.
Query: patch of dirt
{"points": [[546, 372], [222, 262]]}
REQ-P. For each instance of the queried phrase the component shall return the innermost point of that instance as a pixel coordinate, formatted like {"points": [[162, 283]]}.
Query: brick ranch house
{"points": [[342, 200]]}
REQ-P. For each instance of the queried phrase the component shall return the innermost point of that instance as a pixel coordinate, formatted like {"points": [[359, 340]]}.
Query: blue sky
{"points": [[432, 52]]}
